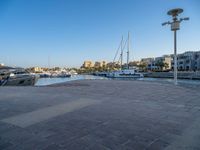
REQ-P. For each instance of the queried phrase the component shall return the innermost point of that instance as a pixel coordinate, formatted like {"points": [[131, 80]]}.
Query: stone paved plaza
{"points": [[100, 115]]}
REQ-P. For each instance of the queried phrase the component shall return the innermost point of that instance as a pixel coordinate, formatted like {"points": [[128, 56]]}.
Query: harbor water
{"points": [[49, 81]]}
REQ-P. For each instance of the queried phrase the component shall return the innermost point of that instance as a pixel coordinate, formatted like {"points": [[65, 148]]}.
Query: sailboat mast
{"points": [[48, 62], [121, 55], [128, 49]]}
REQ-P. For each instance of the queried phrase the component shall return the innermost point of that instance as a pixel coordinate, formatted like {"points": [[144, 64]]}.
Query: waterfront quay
{"points": [[180, 75], [100, 115]]}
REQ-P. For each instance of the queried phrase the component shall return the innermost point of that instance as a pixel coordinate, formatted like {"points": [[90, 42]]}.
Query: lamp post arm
{"points": [[166, 23], [184, 19]]}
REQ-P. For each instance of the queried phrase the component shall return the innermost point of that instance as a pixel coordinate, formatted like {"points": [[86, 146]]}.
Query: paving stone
{"points": [[128, 115]]}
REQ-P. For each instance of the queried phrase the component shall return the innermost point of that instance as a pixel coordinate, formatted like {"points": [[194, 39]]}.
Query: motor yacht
{"points": [[10, 76]]}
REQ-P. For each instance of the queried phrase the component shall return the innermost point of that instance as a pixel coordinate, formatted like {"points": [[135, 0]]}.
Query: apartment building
{"points": [[88, 64], [99, 64], [158, 63], [188, 61]]}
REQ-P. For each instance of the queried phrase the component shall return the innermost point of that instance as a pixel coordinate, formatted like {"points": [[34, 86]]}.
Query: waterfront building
{"points": [[1, 64], [36, 69], [152, 65], [165, 60], [97, 64], [133, 63], [113, 65], [158, 64], [88, 64], [100, 64], [149, 62], [103, 63], [188, 61]]}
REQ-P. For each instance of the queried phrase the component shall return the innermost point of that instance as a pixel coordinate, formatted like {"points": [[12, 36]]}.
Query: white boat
{"points": [[16, 77], [64, 75], [128, 72], [45, 75], [60, 74]]}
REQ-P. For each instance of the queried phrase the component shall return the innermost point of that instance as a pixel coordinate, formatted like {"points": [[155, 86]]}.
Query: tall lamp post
{"points": [[175, 25]]}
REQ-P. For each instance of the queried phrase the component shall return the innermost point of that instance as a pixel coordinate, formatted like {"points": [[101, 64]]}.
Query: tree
{"points": [[133, 63], [142, 66], [166, 65], [162, 65]]}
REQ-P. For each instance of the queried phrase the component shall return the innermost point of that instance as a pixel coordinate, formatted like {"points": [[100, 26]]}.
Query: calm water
{"points": [[48, 81]]}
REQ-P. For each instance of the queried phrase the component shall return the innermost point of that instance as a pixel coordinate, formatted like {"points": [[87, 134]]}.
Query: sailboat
{"points": [[125, 73]]}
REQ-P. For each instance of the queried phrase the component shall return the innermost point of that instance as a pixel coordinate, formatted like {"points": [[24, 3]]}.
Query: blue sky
{"points": [[71, 31]]}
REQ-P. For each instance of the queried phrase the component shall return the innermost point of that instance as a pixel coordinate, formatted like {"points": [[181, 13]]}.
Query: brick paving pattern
{"points": [[100, 115]]}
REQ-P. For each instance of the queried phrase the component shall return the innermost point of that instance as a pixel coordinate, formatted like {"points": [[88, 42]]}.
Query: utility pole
{"points": [[175, 25]]}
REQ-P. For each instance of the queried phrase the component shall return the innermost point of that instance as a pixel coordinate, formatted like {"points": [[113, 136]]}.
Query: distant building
{"points": [[111, 64], [97, 64], [133, 63], [152, 63], [104, 63], [100, 64], [36, 69], [188, 61], [1, 64], [166, 59], [147, 60], [87, 64]]}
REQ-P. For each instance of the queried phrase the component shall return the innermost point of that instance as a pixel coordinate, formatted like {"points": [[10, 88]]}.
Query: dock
{"points": [[100, 115]]}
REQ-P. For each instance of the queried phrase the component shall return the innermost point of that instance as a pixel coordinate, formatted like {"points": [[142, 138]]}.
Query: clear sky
{"points": [[71, 31]]}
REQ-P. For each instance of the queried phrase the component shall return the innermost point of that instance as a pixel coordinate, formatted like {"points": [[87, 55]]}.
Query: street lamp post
{"points": [[175, 25]]}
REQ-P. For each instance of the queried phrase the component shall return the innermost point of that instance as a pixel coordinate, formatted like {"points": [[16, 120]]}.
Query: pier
{"points": [[100, 114]]}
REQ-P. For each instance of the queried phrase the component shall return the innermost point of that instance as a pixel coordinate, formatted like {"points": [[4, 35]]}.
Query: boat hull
{"points": [[28, 80], [126, 76]]}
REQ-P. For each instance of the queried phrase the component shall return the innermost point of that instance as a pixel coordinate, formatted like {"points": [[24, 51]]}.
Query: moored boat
{"points": [[10, 76], [127, 72]]}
